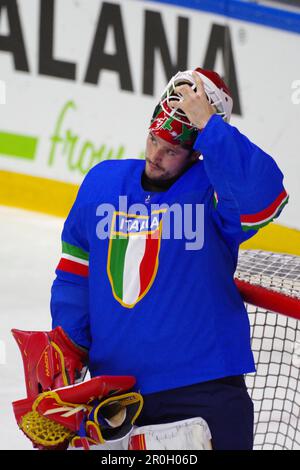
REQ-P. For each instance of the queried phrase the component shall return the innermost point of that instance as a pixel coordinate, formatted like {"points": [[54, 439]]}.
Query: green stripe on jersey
{"points": [[117, 261], [73, 250]]}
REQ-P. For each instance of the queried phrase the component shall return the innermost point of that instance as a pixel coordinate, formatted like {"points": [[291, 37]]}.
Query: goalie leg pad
{"points": [[188, 434]]}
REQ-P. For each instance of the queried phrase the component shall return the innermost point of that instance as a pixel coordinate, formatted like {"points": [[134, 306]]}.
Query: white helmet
{"points": [[216, 91]]}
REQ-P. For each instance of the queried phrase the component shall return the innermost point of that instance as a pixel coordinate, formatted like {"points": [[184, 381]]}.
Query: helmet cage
{"points": [[215, 96]]}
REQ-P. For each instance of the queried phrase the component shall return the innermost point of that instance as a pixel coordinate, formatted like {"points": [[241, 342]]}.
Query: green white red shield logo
{"points": [[133, 255]]}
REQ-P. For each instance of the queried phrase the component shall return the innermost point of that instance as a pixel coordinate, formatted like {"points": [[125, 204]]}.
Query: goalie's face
{"points": [[165, 160]]}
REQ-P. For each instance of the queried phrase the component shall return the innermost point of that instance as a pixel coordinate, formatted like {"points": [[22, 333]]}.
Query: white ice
{"points": [[29, 252]]}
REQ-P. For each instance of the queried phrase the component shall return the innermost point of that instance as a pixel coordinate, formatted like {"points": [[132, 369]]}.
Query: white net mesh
{"points": [[275, 387], [276, 271]]}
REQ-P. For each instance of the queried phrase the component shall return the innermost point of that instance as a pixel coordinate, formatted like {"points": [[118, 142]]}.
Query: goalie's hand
{"points": [[194, 103]]}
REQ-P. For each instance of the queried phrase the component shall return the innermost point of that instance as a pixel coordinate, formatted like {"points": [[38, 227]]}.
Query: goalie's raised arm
{"points": [[247, 181]]}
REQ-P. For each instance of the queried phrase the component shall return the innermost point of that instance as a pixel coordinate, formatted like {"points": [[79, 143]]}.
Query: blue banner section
{"points": [[278, 18]]}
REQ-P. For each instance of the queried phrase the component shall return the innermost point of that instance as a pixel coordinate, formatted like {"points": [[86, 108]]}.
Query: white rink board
{"points": [[104, 119]]}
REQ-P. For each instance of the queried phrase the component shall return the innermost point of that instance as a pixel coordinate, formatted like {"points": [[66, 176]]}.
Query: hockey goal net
{"points": [[269, 283]]}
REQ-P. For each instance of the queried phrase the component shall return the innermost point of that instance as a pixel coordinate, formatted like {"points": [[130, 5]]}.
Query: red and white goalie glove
{"points": [[51, 360], [94, 412]]}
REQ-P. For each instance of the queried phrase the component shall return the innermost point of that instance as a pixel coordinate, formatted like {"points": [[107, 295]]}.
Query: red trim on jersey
{"points": [[268, 212], [73, 267]]}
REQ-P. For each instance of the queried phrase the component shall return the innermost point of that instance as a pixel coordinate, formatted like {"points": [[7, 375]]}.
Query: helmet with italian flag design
{"points": [[172, 124]]}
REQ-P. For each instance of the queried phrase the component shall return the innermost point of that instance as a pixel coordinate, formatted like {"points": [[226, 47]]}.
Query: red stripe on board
{"points": [[73, 267], [148, 262], [262, 215]]}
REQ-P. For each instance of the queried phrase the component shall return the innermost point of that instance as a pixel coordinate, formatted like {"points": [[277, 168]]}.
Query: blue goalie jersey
{"points": [[150, 296]]}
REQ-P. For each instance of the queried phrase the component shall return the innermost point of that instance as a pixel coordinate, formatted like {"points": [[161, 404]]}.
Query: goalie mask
{"points": [[173, 125]]}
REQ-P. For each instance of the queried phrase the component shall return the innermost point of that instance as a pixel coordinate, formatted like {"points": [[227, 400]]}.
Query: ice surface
{"points": [[29, 252]]}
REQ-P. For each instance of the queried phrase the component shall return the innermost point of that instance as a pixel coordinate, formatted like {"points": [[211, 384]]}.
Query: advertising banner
{"points": [[80, 80]]}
